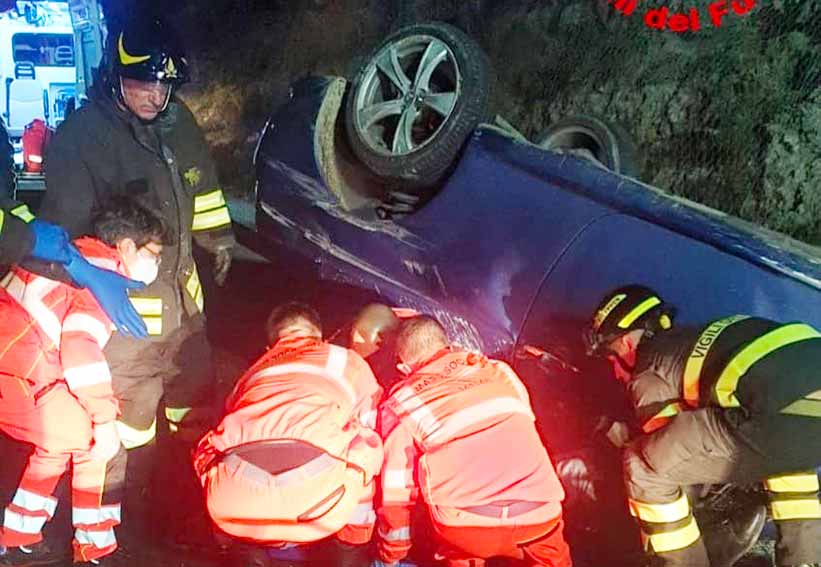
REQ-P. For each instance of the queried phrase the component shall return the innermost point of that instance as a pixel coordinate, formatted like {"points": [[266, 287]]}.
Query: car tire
{"points": [[433, 59], [604, 143]]}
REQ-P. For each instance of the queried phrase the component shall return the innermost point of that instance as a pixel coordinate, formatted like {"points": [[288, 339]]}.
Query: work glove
{"points": [[51, 242], [111, 291], [106, 441], [222, 264]]}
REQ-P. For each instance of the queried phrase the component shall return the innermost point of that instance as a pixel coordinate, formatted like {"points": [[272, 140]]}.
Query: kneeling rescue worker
{"points": [[459, 432], [56, 394], [737, 400], [295, 455]]}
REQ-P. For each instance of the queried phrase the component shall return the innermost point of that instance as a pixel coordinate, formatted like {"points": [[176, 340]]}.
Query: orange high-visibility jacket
{"points": [[306, 390], [462, 426], [52, 331]]}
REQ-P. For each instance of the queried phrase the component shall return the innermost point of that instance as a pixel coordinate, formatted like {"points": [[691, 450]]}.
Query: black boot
{"points": [[730, 540]]}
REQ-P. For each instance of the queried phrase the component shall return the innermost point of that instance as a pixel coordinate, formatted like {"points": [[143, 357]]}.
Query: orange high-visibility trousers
{"points": [[61, 432], [468, 546]]}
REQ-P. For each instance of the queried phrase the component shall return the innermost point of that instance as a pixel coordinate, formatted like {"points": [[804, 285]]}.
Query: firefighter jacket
{"points": [[16, 240], [305, 390], [102, 149], [53, 332], [459, 433], [688, 369]]}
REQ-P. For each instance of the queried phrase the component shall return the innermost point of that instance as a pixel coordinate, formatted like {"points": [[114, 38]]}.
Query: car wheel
{"points": [[413, 105], [604, 143]]}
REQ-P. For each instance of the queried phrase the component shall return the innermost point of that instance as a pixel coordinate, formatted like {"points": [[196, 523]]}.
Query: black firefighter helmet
{"points": [[623, 310], [148, 50]]}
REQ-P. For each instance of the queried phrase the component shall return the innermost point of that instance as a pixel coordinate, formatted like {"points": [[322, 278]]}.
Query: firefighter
{"points": [[56, 394], [136, 136], [294, 459], [459, 433], [373, 336], [737, 400]]}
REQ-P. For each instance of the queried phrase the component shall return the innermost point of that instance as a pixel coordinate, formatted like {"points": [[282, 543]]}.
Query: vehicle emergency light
{"points": [[36, 137]]}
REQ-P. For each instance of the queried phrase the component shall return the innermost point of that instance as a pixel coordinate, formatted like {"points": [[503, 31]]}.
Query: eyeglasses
{"points": [[155, 254]]}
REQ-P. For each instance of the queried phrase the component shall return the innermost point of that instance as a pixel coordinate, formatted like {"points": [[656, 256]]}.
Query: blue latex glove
{"points": [[111, 291], [51, 242]]}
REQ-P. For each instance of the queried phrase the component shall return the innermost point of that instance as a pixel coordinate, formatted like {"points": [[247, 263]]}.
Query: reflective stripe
{"points": [[801, 482], [401, 534], [368, 419], [695, 362], [151, 306], [35, 158], [23, 524], [290, 477], [34, 502], [211, 219], [660, 513], [676, 539], [194, 288], [30, 297], [100, 540], [150, 309], [23, 213], [132, 438], [796, 509], [605, 311], [363, 515], [461, 420], [176, 415], [87, 375], [208, 201], [82, 323], [90, 516], [333, 370], [638, 311], [2, 219], [788, 334], [805, 408], [662, 417], [394, 478]]}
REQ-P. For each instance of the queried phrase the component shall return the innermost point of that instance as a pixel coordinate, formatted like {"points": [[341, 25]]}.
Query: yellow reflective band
{"points": [[800, 482], [662, 417], [23, 213], [808, 509], [804, 408], [151, 306], [212, 219], [676, 539], [2, 219], [695, 362], [606, 310], [153, 325], [125, 57], [176, 415], [660, 513], [132, 438], [638, 311], [209, 201], [752, 353], [194, 289]]}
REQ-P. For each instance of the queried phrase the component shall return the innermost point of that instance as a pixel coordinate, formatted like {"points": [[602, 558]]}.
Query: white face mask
{"points": [[144, 270]]}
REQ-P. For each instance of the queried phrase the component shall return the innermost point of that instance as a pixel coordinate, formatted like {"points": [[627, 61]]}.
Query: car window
{"points": [[44, 49]]}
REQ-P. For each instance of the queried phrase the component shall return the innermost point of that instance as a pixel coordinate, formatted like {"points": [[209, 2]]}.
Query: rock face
{"points": [[728, 115]]}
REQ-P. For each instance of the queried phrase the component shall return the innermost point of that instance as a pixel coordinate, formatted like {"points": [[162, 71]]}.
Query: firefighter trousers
{"points": [[717, 446], [61, 432]]}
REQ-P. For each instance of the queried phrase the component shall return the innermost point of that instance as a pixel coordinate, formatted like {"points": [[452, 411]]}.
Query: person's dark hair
{"points": [[420, 338], [288, 314], [122, 216]]}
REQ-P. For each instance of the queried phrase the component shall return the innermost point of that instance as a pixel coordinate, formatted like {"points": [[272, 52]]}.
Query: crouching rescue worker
{"points": [[738, 400], [56, 394], [294, 459], [459, 433]]}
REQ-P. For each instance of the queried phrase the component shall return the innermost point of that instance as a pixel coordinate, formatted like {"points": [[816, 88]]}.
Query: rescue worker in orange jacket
{"points": [[738, 400], [459, 433], [56, 393], [294, 458]]}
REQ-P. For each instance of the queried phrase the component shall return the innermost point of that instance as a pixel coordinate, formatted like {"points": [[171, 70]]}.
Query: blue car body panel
{"points": [[519, 234]]}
